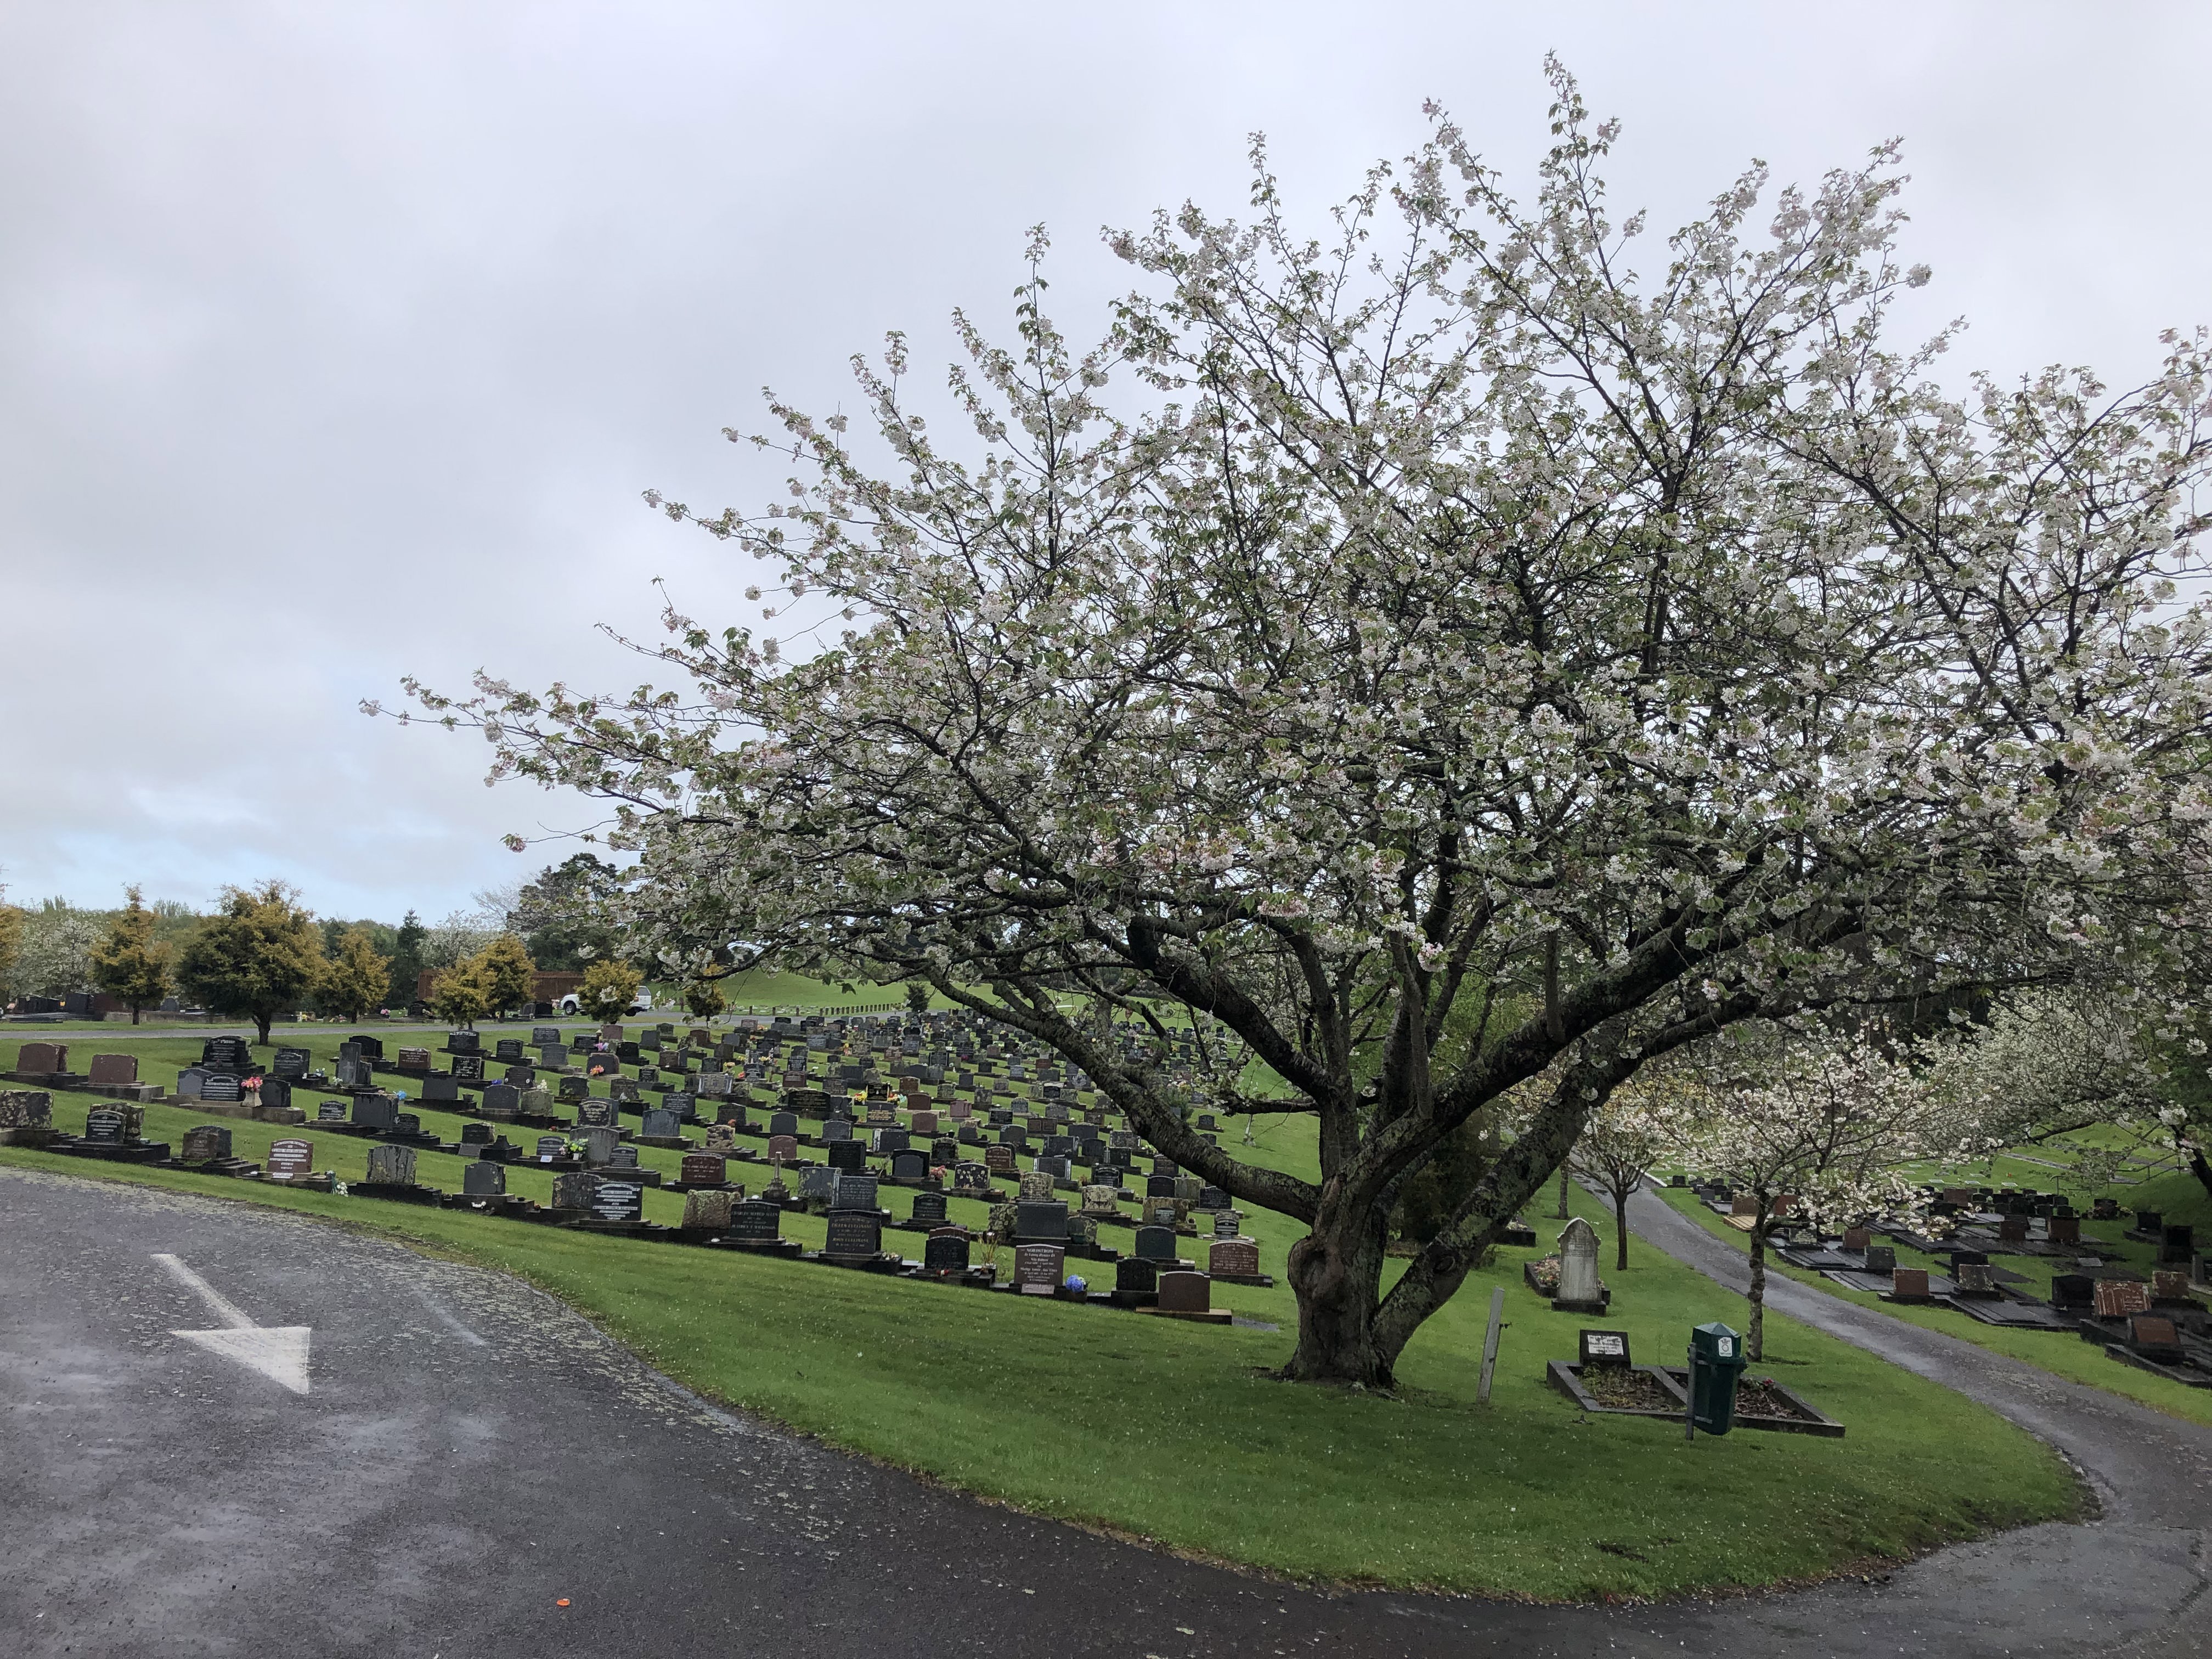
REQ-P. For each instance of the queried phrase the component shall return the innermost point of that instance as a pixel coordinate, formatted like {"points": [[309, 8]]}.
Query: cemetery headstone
{"points": [[1185, 1292], [392, 1166], [1038, 1268], [483, 1179], [291, 1159]]}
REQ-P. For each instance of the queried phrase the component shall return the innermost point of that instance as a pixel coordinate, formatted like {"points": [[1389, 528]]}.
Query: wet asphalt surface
{"points": [[470, 1453]]}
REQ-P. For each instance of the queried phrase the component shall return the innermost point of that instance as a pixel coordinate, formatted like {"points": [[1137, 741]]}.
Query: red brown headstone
{"points": [[2118, 1298], [1237, 1256], [291, 1160], [42, 1059], [114, 1071], [1909, 1284], [703, 1170]]}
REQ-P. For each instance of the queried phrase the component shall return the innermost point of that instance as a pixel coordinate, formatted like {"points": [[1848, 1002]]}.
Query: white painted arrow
{"points": [[279, 1353]]}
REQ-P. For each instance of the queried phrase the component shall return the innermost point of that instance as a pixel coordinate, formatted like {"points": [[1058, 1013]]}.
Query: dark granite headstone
{"points": [[853, 1233]]}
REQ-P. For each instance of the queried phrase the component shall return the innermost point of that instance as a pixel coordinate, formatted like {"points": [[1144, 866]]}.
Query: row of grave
{"points": [[2160, 1326], [1044, 1235]]}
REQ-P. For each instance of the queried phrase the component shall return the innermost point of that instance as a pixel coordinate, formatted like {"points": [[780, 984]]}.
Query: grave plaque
{"points": [[574, 1190], [1239, 1257], [550, 1147], [501, 1101], [847, 1156], [330, 1111], [370, 1048], [1038, 1268], [2118, 1299], [2064, 1229], [998, 1160], [721, 1137], [1041, 1220], [1185, 1292], [2169, 1285], [464, 1042], [1880, 1259], [2072, 1291], [468, 1069], [219, 1085], [546, 1036], [1035, 1184], [661, 1124], [703, 1170], [945, 1251], [291, 1159], [414, 1059], [618, 1200], [1909, 1284], [756, 1218], [854, 1191], [483, 1179], [853, 1233], [103, 1126], [292, 1064], [929, 1207], [600, 1144], [910, 1163], [972, 1179], [783, 1148], [1101, 1201], [1605, 1348], [783, 1123], [393, 1166], [439, 1087], [597, 1112], [2154, 1337]]}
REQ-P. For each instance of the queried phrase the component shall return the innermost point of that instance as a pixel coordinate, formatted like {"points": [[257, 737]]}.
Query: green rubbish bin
{"points": [[1716, 1362]]}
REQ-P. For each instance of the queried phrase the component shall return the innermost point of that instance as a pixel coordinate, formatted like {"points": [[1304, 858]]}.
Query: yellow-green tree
{"points": [[703, 998], [260, 954], [507, 972], [609, 987], [458, 994], [127, 963], [357, 976], [11, 945]]}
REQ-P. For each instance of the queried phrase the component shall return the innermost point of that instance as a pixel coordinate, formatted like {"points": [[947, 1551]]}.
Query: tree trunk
{"points": [[1754, 1341], [2201, 1170], [1562, 1214], [1620, 1196], [262, 1022], [1336, 1271], [134, 1013]]}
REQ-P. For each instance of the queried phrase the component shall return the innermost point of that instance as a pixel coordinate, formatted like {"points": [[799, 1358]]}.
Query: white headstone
{"points": [[1578, 1262]]}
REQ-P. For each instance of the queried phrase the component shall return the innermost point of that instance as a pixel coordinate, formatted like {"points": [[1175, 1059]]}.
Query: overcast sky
{"points": [[338, 342]]}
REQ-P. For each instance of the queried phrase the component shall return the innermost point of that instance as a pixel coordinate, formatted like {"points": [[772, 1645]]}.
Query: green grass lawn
{"points": [[1176, 1433]]}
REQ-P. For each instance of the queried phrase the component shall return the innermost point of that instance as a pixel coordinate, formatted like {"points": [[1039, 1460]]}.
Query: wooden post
{"points": [[1489, 1345], [1690, 1389]]}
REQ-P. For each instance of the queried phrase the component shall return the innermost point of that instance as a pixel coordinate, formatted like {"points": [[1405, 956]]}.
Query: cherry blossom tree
{"points": [[2050, 1061], [1434, 616], [1645, 1119]]}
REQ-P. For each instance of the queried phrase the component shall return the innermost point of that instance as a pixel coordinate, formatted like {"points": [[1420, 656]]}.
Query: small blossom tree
{"points": [[1451, 612], [1644, 1121], [1830, 1129]]}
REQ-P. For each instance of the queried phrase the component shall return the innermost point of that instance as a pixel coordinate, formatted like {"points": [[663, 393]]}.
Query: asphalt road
{"points": [[469, 1454]]}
